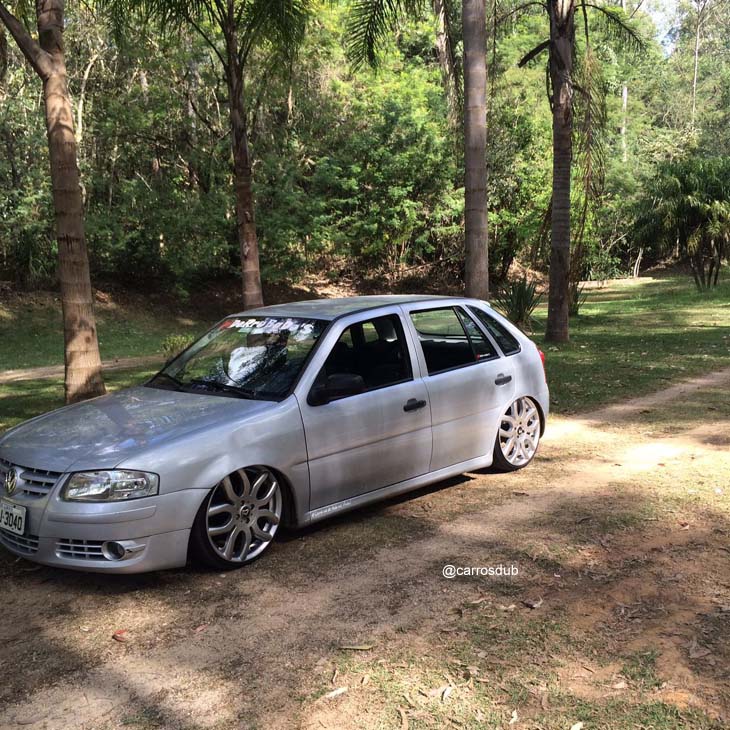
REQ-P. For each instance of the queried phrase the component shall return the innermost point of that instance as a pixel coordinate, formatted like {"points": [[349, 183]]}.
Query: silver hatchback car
{"points": [[280, 415]]}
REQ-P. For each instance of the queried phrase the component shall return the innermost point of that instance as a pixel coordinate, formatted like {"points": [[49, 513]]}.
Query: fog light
{"points": [[113, 550]]}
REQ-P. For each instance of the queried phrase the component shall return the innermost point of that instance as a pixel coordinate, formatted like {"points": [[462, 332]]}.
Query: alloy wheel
{"points": [[519, 432], [243, 514]]}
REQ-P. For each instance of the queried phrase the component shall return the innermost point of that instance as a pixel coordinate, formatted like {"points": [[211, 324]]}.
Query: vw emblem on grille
{"points": [[11, 481]]}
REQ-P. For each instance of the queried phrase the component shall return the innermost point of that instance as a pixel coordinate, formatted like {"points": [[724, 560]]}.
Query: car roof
{"points": [[329, 309]]}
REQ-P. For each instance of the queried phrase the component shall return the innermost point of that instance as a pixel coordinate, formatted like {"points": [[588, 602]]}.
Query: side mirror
{"points": [[339, 385]]}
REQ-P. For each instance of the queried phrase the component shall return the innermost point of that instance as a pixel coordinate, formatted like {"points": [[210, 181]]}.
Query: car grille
{"points": [[32, 482], [26, 544], [80, 549]]}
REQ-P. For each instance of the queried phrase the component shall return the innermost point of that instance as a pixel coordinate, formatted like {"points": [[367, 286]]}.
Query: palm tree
{"points": [[370, 21], [46, 56], [687, 207], [561, 60], [240, 25]]}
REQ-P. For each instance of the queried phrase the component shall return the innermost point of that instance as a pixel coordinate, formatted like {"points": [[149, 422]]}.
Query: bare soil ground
{"points": [[618, 617]]}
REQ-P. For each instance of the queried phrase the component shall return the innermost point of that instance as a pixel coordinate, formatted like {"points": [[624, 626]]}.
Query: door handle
{"points": [[414, 405], [503, 379]]}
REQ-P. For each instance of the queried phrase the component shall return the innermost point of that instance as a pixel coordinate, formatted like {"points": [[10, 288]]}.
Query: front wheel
{"points": [[518, 435], [238, 519]]}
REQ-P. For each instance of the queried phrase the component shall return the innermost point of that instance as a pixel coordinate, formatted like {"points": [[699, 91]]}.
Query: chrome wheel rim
{"points": [[519, 432], [244, 511]]}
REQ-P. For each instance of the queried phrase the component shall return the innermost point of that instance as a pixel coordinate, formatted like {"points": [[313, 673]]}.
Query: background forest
{"points": [[358, 172]]}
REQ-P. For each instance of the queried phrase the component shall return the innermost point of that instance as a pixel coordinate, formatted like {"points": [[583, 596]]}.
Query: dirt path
{"points": [[56, 371], [619, 530]]}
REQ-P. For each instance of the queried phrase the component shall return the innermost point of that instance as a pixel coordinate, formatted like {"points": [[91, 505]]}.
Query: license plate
{"points": [[12, 517]]}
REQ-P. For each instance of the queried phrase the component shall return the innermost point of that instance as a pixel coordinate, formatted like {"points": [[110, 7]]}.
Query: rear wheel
{"points": [[518, 436], [238, 519]]}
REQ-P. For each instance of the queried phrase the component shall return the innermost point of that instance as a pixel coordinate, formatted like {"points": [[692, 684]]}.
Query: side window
{"points": [[449, 339], [505, 339], [483, 348], [375, 350]]}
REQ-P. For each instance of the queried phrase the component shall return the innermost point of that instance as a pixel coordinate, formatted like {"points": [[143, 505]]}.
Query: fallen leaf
{"points": [[619, 685], [577, 726], [515, 718], [533, 603], [200, 628], [120, 635], [696, 651], [335, 674], [334, 693], [446, 693], [511, 607], [365, 679]]}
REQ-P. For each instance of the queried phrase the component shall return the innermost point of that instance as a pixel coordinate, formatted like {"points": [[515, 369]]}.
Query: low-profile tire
{"points": [[238, 519], [518, 436]]}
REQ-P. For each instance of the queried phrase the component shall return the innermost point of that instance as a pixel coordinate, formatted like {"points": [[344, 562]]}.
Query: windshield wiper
{"points": [[215, 385], [177, 383]]}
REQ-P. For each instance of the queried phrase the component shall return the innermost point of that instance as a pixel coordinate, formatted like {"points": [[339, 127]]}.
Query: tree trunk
{"points": [[81, 351], [475, 148], [242, 175], [562, 40], [624, 109], [700, 8], [624, 120], [446, 59]]}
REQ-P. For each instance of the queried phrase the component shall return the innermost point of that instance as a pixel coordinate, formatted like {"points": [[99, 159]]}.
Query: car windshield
{"points": [[253, 357]]}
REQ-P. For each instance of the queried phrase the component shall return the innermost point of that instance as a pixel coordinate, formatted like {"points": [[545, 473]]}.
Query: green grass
{"points": [[635, 337], [32, 332], [640, 667], [27, 398]]}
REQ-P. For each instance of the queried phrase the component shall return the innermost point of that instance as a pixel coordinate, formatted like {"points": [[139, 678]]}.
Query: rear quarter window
{"points": [[505, 339]]}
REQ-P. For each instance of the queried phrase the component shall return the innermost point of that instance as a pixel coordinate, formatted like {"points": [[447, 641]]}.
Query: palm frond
{"points": [[536, 51], [369, 23], [617, 25], [282, 22]]}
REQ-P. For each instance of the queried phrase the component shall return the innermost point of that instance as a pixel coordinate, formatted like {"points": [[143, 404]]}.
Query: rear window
{"points": [[505, 339]]}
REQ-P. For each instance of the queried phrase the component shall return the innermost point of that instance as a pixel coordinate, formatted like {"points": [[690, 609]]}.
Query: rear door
{"points": [[469, 383], [380, 437]]}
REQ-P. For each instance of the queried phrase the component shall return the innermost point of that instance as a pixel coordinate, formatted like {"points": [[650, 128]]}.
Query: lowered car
{"points": [[280, 415]]}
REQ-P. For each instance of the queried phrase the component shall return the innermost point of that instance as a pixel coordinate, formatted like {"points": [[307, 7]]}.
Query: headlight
{"points": [[110, 486]]}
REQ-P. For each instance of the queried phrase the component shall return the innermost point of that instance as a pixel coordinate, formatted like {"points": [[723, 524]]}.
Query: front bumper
{"points": [[154, 531]]}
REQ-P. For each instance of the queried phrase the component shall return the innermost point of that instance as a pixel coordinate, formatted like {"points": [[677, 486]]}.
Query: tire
{"points": [[518, 436], [238, 519]]}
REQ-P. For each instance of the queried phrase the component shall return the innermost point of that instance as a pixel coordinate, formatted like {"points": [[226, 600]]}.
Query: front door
{"points": [[375, 438]]}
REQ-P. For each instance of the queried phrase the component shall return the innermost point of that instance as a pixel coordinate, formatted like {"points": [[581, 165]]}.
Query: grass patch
{"points": [[640, 667], [25, 399], [32, 332], [634, 337], [623, 715]]}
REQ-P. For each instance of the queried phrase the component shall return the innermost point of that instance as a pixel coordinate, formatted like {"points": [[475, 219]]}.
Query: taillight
{"points": [[542, 358]]}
